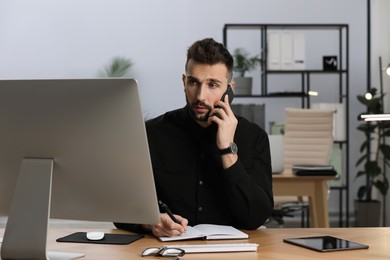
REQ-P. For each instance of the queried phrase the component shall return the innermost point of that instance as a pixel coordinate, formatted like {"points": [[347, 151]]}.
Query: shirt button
{"points": [[200, 209], [200, 182]]}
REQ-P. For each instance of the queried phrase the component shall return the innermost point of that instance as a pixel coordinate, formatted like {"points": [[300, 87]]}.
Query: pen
{"points": [[168, 211]]}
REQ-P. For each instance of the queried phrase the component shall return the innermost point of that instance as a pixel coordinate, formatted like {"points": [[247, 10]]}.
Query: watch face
{"points": [[231, 149], [234, 148]]}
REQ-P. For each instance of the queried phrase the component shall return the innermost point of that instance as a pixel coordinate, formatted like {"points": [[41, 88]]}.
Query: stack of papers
{"points": [[214, 248]]}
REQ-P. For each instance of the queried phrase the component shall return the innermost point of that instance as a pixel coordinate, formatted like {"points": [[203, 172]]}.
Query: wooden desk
{"points": [[314, 187], [270, 241]]}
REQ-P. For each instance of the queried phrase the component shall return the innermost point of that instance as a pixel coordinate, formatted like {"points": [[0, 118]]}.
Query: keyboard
{"points": [[208, 248]]}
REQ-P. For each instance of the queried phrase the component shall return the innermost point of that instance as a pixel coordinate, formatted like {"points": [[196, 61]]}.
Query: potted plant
{"points": [[244, 63], [117, 67], [375, 156]]}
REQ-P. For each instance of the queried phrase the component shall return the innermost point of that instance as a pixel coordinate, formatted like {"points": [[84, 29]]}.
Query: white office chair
{"points": [[308, 139]]}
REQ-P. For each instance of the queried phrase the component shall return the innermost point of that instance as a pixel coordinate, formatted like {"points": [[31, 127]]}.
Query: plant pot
{"points": [[367, 213], [243, 86]]}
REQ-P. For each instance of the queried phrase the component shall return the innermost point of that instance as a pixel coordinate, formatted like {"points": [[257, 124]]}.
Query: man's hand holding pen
{"points": [[167, 227], [170, 224]]}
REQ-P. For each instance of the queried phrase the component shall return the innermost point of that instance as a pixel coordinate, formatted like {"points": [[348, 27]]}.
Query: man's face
{"points": [[204, 85]]}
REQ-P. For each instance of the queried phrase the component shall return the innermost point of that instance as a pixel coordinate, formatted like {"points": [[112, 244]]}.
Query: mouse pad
{"points": [[115, 239]]}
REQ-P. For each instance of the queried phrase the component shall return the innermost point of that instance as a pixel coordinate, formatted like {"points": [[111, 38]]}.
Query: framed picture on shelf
{"points": [[329, 63]]}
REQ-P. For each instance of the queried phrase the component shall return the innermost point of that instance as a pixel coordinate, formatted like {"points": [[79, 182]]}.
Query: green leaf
{"points": [[367, 127], [364, 145], [362, 99], [118, 67], [385, 124], [372, 168], [361, 159], [361, 192], [360, 173], [385, 150], [386, 133], [382, 186]]}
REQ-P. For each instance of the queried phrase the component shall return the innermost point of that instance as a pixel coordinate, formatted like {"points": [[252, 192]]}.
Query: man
{"points": [[198, 171]]}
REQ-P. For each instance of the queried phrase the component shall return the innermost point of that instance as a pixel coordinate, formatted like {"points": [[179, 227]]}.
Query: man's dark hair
{"points": [[208, 51]]}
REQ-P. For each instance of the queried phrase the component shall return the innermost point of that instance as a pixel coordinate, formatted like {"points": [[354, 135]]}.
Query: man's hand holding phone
{"points": [[229, 94], [227, 124]]}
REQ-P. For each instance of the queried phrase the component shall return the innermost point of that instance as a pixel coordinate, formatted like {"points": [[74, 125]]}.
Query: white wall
{"points": [[75, 38]]}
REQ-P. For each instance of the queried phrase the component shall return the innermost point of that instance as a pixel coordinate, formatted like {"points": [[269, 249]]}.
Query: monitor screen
{"points": [[90, 135]]}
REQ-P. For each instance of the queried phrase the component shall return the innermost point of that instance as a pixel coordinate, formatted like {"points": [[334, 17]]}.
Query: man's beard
{"points": [[194, 115]]}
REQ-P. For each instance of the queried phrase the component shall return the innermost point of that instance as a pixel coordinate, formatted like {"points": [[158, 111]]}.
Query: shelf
{"points": [[269, 79], [286, 26], [340, 142], [342, 187], [276, 94], [306, 71]]}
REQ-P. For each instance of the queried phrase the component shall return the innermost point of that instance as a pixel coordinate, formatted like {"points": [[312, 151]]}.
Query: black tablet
{"points": [[325, 243]]}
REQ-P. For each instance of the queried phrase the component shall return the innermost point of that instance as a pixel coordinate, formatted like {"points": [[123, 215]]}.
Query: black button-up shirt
{"points": [[190, 179]]}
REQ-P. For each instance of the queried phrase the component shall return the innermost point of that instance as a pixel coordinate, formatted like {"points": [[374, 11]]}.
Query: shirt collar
{"points": [[193, 127]]}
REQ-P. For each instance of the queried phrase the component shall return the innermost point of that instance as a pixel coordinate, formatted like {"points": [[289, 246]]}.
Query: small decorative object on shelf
{"points": [[329, 63]]}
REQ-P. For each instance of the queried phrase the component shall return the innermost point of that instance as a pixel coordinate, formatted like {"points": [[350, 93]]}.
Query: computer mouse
{"points": [[95, 235]]}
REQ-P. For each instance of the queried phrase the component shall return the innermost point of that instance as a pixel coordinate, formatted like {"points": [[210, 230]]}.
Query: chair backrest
{"points": [[308, 137], [276, 146]]}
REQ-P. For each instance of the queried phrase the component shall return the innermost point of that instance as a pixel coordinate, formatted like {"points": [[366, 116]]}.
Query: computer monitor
{"points": [[72, 149]]}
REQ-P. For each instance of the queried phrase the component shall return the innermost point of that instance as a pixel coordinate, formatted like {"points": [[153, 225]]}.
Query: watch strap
{"points": [[231, 149]]}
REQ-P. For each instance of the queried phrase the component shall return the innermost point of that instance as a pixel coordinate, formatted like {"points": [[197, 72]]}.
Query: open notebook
{"points": [[209, 232]]}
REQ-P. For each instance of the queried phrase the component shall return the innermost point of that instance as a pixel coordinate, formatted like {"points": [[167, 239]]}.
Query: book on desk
{"points": [[313, 170], [208, 232]]}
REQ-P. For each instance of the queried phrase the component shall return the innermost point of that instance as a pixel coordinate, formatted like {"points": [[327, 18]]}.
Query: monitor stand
{"points": [[25, 235]]}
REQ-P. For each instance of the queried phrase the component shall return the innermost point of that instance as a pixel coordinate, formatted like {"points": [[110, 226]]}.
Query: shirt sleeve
{"points": [[248, 183], [136, 228]]}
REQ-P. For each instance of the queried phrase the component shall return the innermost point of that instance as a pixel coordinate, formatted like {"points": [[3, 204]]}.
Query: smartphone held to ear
{"points": [[229, 92]]}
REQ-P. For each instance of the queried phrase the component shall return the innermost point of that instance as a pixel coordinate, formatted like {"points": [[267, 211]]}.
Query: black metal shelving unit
{"points": [[342, 73]]}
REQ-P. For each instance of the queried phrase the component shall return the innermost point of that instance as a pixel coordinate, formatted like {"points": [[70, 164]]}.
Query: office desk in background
{"points": [[314, 187], [270, 241]]}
